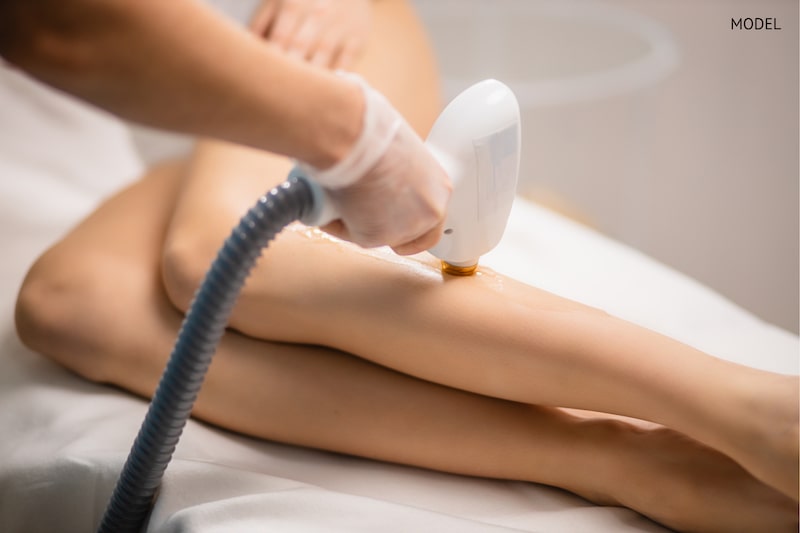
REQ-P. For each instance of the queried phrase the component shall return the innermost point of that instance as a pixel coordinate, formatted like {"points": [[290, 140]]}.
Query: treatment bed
{"points": [[64, 440]]}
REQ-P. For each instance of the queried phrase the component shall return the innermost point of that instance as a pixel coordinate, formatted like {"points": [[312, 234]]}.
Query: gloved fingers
{"points": [[325, 51], [389, 190], [422, 243], [326, 33], [337, 229], [309, 33], [290, 17], [400, 202], [263, 17], [349, 53], [335, 51], [333, 33]]}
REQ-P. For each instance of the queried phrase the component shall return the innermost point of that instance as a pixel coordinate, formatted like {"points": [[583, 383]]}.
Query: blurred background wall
{"points": [[654, 122]]}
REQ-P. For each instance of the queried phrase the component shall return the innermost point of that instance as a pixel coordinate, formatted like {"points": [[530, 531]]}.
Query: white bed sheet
{"points": [[64, 440]]}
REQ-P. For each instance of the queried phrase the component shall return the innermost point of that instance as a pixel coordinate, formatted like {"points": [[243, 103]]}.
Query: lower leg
{"points": [[326, 399], [487, 334], [493, 336]]}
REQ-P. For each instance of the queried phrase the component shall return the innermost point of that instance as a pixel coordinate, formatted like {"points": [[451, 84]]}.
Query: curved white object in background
{"points": [[610, 51]]}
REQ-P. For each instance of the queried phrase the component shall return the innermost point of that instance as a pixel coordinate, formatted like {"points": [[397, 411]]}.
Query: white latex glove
{"points": [[389, 190]]}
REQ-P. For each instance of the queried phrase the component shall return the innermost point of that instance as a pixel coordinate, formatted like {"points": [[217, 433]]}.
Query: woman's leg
{"points": [[95, 303], [485, 334], [494, 336]]}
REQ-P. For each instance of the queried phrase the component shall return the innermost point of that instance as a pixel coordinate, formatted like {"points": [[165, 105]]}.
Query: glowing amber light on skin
{"points": [[454, 270]]}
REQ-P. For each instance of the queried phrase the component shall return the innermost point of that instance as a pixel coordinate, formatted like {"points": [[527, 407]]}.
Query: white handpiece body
{"points": [[476, 140]]}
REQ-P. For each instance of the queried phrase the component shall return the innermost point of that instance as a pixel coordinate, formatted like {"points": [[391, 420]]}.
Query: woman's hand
{"points": [[327, 33]]}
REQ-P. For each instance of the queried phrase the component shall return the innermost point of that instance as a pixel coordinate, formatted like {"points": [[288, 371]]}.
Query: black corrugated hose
{"points": [[197, 341]]}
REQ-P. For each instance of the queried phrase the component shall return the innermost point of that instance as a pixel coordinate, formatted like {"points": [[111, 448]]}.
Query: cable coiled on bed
{"points": [[197, 341]]}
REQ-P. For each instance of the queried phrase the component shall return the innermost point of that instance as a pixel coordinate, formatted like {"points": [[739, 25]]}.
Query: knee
{"points": [[264, 308], [52, 316], [184, 263], [40, 314]]}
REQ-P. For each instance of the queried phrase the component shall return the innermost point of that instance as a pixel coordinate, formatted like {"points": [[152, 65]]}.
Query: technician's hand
{"points": [[389, 190], [327, 33]]}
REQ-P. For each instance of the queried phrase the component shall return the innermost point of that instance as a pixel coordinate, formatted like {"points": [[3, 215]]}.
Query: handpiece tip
{"points": [[454, 270]]}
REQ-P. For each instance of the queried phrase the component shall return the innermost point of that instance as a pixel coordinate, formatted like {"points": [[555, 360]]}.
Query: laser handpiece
{"points": [[476, 139]]}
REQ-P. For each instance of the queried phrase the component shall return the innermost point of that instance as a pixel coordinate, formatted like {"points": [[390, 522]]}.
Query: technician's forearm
{"points": [[178, 65]]}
